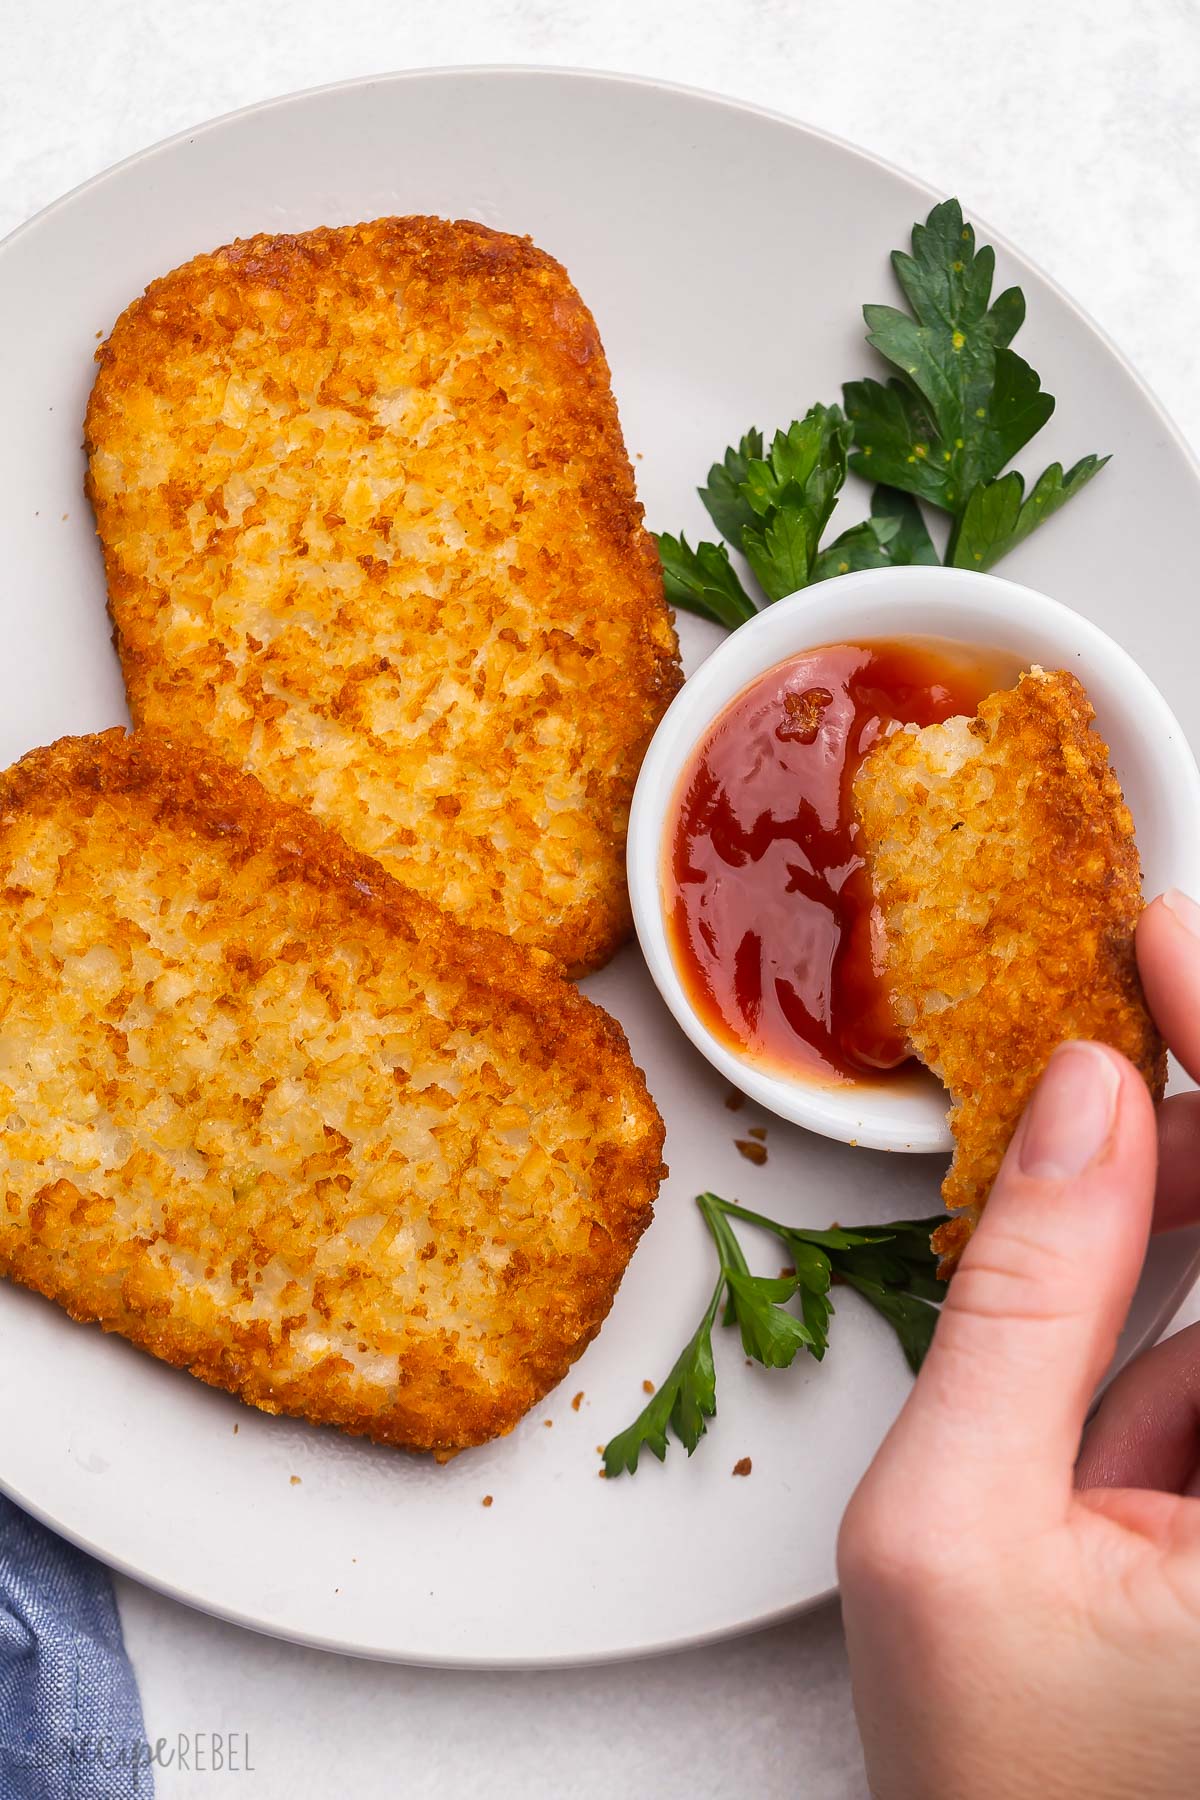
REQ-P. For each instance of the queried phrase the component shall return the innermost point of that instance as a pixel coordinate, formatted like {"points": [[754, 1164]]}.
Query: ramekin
{"points": [[1150, 754]]}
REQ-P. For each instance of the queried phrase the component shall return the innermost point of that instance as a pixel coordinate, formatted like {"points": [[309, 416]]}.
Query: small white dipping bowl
{"points": [[1149, 750]]}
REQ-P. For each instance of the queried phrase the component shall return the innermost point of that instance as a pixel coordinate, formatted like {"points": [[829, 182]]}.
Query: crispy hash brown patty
{"points": [[273, 1118], [369, 524], [1004, 861]]}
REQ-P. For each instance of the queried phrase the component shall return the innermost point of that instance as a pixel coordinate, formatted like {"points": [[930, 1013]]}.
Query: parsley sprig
{"points": [[891, 1266], [964, 403], [940, 430], [997, 516], [773, 505]]}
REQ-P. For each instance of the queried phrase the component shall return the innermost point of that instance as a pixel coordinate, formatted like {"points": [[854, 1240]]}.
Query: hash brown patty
{"points": [[272, 1117], [370, 529], [1003, 858]]}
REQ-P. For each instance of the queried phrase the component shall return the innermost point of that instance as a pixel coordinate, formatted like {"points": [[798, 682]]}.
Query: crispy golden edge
{"points": [[1076, 911], [557, 320], [192, 793]]}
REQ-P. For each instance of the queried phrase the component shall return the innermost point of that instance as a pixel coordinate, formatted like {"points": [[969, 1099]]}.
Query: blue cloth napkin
{"points": [[70, 1717]]}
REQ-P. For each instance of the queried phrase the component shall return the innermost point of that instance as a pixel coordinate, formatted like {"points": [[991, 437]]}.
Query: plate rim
{"points": [[571, 73], [618, 78]]}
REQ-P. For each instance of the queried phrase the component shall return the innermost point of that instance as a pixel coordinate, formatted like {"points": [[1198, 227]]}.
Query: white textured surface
{"points": [[1072, 129]]}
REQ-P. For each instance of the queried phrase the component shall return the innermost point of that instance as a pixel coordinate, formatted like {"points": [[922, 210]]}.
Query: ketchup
{"points": [[771, 917]]}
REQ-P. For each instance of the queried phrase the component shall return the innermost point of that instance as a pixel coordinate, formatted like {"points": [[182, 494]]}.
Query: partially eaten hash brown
{"points": [[1003, 858], [272, 1117], [370, 529]]}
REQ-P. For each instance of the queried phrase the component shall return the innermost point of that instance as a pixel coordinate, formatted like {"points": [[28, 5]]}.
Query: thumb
{"points": [[1033, 1313]]}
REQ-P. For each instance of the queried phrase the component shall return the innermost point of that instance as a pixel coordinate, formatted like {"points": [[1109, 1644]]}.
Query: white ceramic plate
{"points": [[725, 254]]}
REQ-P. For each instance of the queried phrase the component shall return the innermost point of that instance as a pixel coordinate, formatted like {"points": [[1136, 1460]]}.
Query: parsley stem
{"points": [[710, 1314], [728, 1249], [732, 1210]]}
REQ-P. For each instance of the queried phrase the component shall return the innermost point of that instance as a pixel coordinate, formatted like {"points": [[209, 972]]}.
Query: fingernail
{"points": [[1071, 1115], [1181, 906]]}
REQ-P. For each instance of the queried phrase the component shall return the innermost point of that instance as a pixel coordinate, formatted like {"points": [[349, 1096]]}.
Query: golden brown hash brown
{"points": [[274, 1118], [1004, 861], [369, 524]]}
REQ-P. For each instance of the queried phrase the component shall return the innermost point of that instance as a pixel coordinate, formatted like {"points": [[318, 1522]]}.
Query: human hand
{"points": [[1012, 1634], [1146, 1433]]}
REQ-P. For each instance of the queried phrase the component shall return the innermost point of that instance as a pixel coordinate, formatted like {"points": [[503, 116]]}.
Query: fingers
{"points": [[1146, 1433], [1168, 952], [1032, 1316], [1177, 1201]]}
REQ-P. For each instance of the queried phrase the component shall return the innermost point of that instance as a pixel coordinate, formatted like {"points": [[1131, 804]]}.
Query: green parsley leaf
{"points": [[773, 506], [755, 1303], [897, 1275], [770, 1334], [912, 1319], [997, 517], [703, 581], [792, 492], [892, 1266], [724, 498], [806, 465], [897, 1256], [814, 1274], [910, 542], [893, 433], [782, 553], [863, 546], [964, 403], [686, 1399], [894, 534]]}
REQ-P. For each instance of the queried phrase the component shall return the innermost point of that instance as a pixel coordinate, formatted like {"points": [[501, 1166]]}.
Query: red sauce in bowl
{"points": [[768, 900]]}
